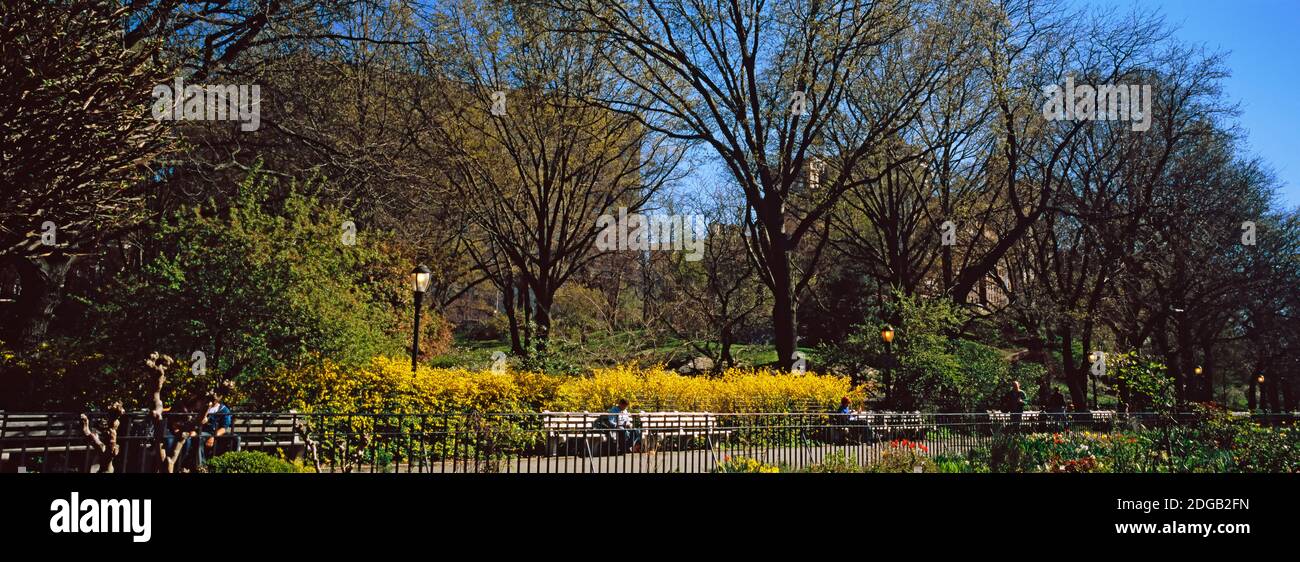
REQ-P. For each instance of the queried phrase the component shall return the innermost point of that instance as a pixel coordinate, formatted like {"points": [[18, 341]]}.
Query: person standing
{"points": [[1015, 404]]}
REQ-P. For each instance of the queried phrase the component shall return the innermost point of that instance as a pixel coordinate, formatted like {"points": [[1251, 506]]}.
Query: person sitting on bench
{"points": [[174, 431], [217, 424], [619, 420], [840, 430], [1056, 407]]}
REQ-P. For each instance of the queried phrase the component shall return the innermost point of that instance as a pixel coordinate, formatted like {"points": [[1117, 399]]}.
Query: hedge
{"points": [[386, 385]]}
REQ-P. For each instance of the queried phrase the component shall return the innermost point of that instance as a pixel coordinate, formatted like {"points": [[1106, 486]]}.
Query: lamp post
{"points": [[887, 336], [1197, 371], [1092, 360], [1261, 392], [420, 279]]}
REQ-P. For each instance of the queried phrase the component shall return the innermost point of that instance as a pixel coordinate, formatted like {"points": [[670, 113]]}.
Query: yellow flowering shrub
{"points": [[386, 385], [736, 390]]}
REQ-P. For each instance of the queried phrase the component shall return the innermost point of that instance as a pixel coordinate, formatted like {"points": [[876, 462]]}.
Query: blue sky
{"points": [[1262, 38]]}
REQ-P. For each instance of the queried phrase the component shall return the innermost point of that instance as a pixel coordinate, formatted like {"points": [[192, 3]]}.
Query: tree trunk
{"points": [[1288, 398], [1184, 377], [526, 319], [542, 313], [1208, 373], [1073, 379], [42, 291], [1036, 352], [1172, 363], [725, 338], [516, 345], [1250, 392], [784, 330]]}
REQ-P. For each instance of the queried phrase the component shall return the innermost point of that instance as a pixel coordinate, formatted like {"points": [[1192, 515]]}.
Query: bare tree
{"points": [[773, 89], [713, 298], [537, 163], [75, 136]]}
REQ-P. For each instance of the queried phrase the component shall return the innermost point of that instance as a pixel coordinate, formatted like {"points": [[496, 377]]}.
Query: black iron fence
{"points": [[545, 442]]}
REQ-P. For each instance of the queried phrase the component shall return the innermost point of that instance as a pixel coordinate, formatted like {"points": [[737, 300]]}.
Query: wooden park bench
{"points": [[567, 427], [677, 428], [889, 425], [1029, 419], [681, 428], [275, 432], [1102, 419], [53, 440]]}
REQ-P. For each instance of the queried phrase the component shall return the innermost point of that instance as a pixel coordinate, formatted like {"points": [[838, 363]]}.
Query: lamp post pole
{"points": [[1092, 360], [420, 278], [1198, 371], [1260, 402], [887, 336], [1094, 392]]}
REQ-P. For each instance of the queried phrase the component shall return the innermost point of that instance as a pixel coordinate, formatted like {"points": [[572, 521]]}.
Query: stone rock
{"points": [[696, 366]]}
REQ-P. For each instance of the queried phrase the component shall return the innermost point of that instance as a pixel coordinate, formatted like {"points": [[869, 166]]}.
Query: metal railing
{"points": [[549, 442]]}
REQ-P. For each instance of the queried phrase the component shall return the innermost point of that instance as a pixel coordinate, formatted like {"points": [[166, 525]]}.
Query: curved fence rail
{"points": [[542, 442]]}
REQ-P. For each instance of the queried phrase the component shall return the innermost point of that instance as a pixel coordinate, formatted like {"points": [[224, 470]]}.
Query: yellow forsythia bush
{"points": [[736, 390], [387, 385]]}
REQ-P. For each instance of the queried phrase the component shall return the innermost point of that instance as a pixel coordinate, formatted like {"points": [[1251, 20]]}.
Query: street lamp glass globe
{"points": [[420, 278], [887, 334]]}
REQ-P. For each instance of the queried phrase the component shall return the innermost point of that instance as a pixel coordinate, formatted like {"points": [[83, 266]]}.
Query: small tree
{"points": [[264, 283]]}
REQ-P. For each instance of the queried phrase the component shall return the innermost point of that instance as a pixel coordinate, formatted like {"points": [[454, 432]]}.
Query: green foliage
{"points": [[551, 357], [1245, 445], [1150, 387], [957, 464], [249, 462], [1004, 455], [62, 375], [904, 457], [264, 283], [744, 464], [980, 379], [932, 369], [1215, 442], [835, 463], [1031, 377]]}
